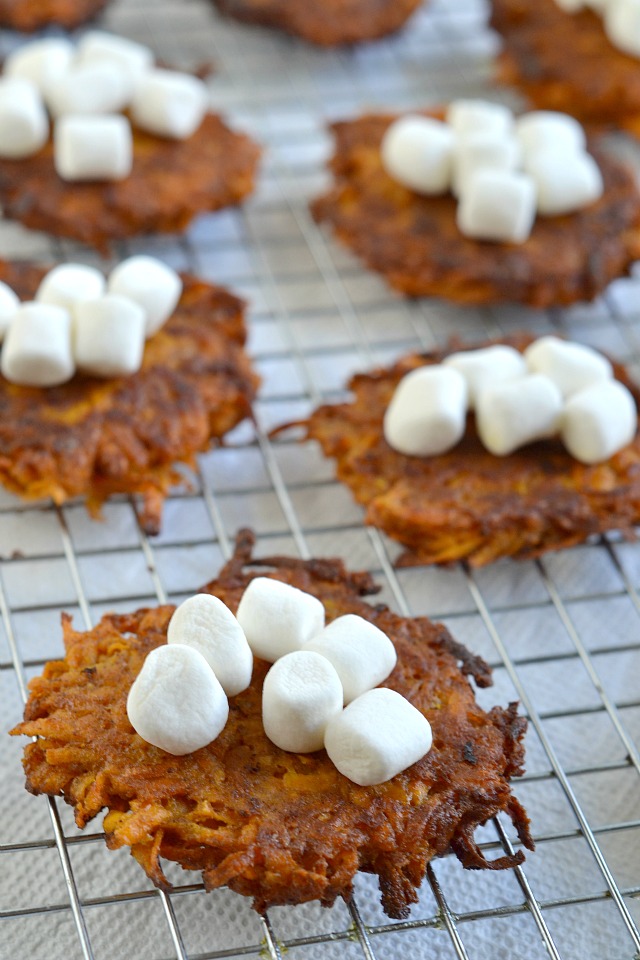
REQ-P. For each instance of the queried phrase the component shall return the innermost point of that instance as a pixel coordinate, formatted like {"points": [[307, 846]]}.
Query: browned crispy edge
{"points": [[30, 15]]}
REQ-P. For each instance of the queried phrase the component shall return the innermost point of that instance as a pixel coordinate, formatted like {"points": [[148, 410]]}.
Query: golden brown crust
{"points": [[282, 828], [30, 15], [171, 181], [93, 437], [468, 504], [413, 241], [566, 62], [327, 24]]}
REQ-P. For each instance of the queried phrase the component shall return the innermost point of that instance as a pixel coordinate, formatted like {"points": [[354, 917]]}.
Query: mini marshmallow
{"points": [[169, 104], [278, 618], [97, 46], [427, 413], [37, 346], [418, 153], [376, 737], [497, 205], [622, 25], [108, 336], [598, 421], [24, 125], [42, 62], [571, 366], [70, 284], [9, 304], [475, 116], [100, 87], [152, 284], [565, 182], [479, 150], [486, 366], [549, 129], [175, 702], [300, 695], [362, 655], [93, 148], [206, 624], [510, 415]]}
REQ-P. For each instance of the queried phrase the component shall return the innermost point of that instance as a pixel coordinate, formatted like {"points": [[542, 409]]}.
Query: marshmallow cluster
{"points": [[554, 388], [84, 88], [621, 20], [81, 322], [502, 169], [320, 691]]}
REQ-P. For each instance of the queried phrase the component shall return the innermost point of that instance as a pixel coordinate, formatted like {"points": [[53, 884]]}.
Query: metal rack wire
{"points": [[562, 634]]}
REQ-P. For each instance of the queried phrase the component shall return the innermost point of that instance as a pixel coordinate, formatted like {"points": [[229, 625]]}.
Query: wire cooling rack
{"points": [[562, 634]]}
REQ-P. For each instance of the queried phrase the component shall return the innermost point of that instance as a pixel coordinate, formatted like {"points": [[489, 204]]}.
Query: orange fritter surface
{"points": [[468, 504], [565, 61], [413, 240], [329, 23], [283, 828], [30, 15], [171, 181], [95, 437]]}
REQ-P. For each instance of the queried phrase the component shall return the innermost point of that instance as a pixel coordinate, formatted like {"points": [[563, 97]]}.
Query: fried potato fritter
{"points": [[30, 15], [95, 437], [171, 181], [327, 24], [282, 828], [565, 61], [468, 504], [413, 240]]}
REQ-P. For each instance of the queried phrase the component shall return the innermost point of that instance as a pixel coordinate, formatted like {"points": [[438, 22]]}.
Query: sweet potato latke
{"points": [[327, 24], [413, 240], [283, 828], [93, 437], [30, 15], [565, 61], [171, 181], [468, 504]]}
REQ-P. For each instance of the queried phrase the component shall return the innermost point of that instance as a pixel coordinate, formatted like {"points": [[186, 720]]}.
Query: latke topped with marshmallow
{"points": [[280, 827], [96, 437]]}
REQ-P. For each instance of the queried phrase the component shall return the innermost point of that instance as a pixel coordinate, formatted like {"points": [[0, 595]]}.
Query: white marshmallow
{"points": [[479, 150], [598, 421], [510, 415], [93, 148], [37, 346], [108, 338], [376, 737], [362, 655], [24, 125], [497, 205], [99, 87], [169, 104], [278, 618], [418, 153], [152, 284], [175, 702], [9, 304], [427, 412], [42, 62], [97, 46], [549, 129], [206, 623], [565, 182], [571, 366], [622, 25], [70, 284], [486, 366], [300, 695], [479, 116]]}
